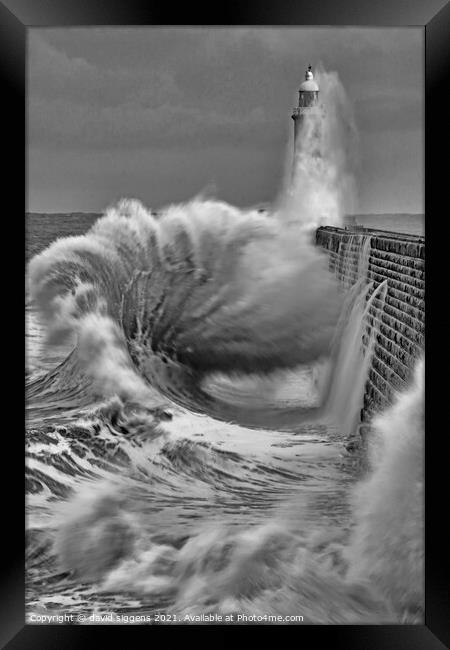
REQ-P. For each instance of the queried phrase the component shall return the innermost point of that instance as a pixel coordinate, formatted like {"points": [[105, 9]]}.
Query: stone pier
{"points": [[400, 259]]}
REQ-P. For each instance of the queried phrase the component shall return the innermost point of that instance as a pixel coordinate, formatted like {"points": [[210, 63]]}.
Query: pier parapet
{"points": [[400, 259]]}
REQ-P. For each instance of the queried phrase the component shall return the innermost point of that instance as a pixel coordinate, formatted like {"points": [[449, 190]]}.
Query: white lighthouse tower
{"points": [[308, 102]]}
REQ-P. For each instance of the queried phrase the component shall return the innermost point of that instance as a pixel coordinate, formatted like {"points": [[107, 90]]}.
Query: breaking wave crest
{"points": [[160, 302]]}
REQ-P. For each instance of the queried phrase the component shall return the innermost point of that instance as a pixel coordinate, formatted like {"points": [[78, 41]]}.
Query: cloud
{"points": [[130, 125], [53, 74]]}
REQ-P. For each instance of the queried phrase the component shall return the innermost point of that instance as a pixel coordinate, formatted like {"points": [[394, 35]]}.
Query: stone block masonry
{"points": [[400, 259]]}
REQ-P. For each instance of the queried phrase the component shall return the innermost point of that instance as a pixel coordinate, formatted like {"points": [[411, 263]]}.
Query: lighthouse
{"points": [[308, 102]]}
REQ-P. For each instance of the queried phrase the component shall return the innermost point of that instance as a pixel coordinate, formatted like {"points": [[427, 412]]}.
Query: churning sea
{"points": [[159, 507]]}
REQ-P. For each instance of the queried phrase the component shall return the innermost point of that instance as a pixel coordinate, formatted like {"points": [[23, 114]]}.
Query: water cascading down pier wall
{"points": [[400, 259]]}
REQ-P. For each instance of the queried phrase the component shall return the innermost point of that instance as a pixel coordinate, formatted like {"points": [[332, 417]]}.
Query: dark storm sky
{"points": [[161, 114]]}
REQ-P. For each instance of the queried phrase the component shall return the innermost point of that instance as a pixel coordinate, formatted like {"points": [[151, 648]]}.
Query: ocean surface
{"points": [[412, 224], [179, 463]]}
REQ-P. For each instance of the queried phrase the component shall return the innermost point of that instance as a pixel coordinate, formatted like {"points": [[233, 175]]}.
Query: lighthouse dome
{"points": [[309, 86]]}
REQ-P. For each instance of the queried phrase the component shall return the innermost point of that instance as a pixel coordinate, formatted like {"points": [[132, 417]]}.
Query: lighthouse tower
{"points": [[308, 101]]}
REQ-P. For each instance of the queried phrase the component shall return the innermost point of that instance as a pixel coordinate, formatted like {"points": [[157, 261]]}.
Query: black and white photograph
{"points": [[225, 325]]}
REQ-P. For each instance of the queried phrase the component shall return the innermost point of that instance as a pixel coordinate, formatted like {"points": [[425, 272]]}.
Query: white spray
{"points": [[387, 548]]}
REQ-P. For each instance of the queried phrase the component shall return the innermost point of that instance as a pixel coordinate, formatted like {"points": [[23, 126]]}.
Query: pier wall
{"points": [[399, 259]]}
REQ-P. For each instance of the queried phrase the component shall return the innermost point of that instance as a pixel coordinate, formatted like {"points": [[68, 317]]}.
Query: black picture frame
{"points": [[16, 17]]}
